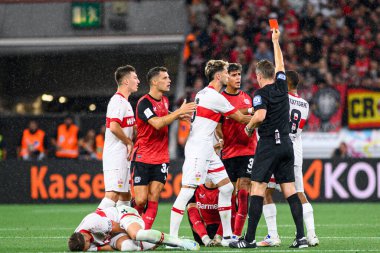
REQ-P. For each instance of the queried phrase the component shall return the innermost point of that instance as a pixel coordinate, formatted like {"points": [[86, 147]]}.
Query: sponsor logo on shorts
{"points": [[249, 171], [119, 183], [257, 100], [137, 180], [198, 176]]}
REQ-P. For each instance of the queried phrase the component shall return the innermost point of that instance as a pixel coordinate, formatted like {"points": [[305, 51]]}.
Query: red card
{"points": [[273, 24]]}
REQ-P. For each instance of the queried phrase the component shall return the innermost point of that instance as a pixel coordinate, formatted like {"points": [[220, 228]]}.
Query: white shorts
{"points": [[298, 178], [117, 175], [127, 216], [195, 170]]}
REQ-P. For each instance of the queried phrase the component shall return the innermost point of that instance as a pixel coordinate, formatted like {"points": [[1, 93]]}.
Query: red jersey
{"points": [[207, 203], [236, 142], [152, 146]]}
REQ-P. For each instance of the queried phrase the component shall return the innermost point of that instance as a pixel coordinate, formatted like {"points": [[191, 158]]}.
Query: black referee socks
{"points": [[254, 214], [297, 212]]}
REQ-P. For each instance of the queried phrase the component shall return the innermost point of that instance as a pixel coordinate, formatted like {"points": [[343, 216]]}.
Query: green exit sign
{"points": [[86, 15]]}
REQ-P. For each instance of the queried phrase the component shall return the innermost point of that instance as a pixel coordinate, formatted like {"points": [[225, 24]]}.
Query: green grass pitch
{"points": [[45, 228]]}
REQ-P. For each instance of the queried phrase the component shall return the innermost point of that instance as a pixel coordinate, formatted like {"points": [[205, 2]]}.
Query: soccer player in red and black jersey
{"points": [[151, 152], [204, 216], [238, 149]]}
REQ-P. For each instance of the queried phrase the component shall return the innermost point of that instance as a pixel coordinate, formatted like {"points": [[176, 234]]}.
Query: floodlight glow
{"points": [[62, 100], [47, 97]]}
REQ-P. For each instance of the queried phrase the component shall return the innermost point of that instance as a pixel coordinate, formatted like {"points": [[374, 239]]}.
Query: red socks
{"points": [[150, 214], [242, 212], [197, 222]]}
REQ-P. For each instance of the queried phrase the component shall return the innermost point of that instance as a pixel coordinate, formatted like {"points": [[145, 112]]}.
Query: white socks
{"points": [[224, 208], [123, 203], [106, 202], [155, 236], [270, 213], [178, 209], [308, 218]]}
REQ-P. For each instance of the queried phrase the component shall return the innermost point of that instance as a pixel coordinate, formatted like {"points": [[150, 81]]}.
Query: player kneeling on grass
{"points": [[120, 228], [204, 215]]}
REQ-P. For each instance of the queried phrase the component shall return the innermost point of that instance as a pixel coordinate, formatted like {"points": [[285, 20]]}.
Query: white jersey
{"points": [[99, 223], [118, 110], [299, 111], [210, 107]]}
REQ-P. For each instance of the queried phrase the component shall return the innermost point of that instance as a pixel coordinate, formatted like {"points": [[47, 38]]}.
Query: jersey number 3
{"points": [[295, 118]]}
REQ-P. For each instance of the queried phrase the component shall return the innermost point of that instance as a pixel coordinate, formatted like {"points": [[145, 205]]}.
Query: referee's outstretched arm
{"points": [[278, 59]]}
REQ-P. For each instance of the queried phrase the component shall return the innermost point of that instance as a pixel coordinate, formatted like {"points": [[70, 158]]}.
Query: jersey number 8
{"points": [[295, 118]]}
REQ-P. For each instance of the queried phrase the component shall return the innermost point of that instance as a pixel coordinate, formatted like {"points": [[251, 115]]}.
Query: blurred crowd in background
{"points": [[330, 43]]}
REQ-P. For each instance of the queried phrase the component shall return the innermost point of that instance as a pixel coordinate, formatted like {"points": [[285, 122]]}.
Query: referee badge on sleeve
{"points": [[281, 76], [257, 100]]}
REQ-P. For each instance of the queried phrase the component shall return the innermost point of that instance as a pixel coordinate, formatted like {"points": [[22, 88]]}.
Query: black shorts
{"points": [[211, 231], [271, 158], [144, 173], [240, 166]]}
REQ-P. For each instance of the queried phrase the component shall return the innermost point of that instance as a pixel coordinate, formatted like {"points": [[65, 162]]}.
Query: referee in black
{"points": [[274, 154]]}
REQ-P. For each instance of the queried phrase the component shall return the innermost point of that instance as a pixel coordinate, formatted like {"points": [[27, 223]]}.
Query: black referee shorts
{"points": [[240, 166], [271, 158]]}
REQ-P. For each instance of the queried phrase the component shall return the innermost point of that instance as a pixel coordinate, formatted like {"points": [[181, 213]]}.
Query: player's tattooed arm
{"points": [[239, 117], [160, 122], [247, 111]]}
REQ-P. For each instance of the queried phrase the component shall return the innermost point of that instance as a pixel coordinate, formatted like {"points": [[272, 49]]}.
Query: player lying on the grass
{"points": [[299, 110], [120, 228], [204, 216]]}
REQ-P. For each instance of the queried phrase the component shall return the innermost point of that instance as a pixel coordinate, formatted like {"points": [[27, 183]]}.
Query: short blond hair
{"points": [[213, 66]]}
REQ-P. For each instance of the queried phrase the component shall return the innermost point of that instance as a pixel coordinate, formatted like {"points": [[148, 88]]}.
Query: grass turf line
{"points": [[45, 228]]}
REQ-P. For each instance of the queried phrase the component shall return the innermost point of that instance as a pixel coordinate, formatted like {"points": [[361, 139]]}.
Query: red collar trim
{"points": [[118, 93], [211, 87], [87, 232], [294, 95]]}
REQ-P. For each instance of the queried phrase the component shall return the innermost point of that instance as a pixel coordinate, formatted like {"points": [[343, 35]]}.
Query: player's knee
{"points": [[226, 189], [141, 200], [133, 229], [245, 184], [186, 193], [114, 196], [302, 197]]}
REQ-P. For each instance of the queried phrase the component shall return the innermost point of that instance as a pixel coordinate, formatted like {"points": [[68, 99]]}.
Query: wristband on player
{"points": [[250, 110], [249, 130]]}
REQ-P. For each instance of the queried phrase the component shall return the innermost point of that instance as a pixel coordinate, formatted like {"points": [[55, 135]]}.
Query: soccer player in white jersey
{"points": [[120, 125], [299, 110], [200, 157], [120, 228]]}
